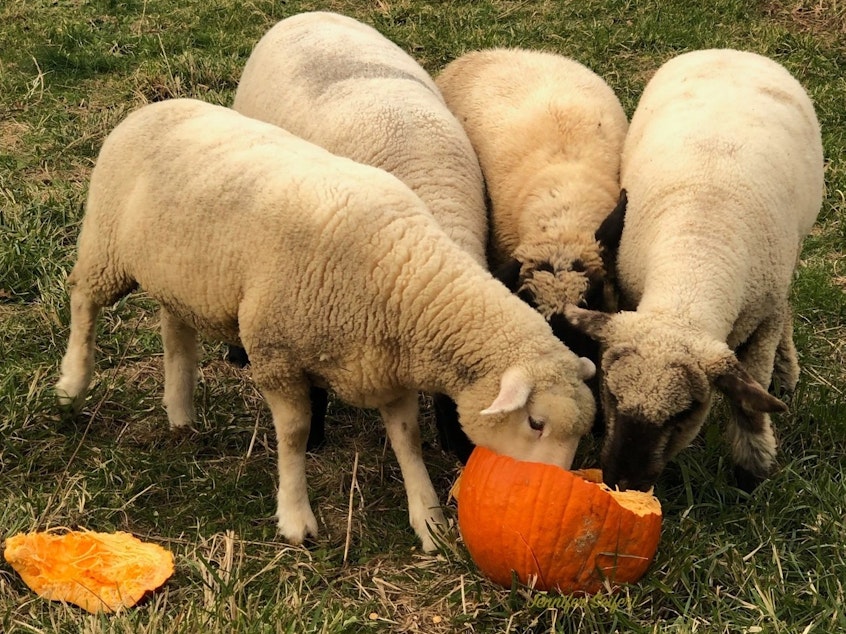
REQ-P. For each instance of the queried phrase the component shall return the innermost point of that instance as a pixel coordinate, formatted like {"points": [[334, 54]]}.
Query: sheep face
{"points": [[658, 378], [654, 407], [552, 275], [574, 268], [535, 418], [655, 390]]}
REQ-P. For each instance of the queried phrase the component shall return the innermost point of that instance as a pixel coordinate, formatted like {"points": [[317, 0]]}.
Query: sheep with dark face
{"points": [[548, 132], [723, 169]]}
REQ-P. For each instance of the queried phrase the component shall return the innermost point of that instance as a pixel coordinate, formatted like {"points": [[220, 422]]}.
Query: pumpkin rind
{"points": [[96, 571], [544, 522]]}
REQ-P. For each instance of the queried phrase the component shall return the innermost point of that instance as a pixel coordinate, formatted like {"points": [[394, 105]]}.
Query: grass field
{"points": [[70, 70]]}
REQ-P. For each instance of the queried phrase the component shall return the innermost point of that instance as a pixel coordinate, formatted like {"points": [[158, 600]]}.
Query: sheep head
{"points": [[657, 383], [539, 410], [568, 266], [551, 275]]}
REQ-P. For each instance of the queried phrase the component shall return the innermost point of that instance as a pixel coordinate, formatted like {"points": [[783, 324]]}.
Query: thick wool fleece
{"points": [[342, 85], [330, 273], [548, 133], [346, 280], [723, 168]]}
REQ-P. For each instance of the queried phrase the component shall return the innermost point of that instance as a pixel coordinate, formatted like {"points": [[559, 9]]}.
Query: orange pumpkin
{"points": [[563, 530], [96, 571]]}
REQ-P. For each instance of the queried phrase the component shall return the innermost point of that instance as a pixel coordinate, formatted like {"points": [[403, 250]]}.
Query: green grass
{"points": [[728, 562]]}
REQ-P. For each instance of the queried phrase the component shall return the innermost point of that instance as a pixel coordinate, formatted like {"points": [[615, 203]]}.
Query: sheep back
{"points": [[342, 85], [548, 133], [346, 277], [723, 168]]}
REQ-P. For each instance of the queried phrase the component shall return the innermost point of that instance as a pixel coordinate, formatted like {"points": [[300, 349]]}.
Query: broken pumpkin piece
{"points": [[100, 572]]}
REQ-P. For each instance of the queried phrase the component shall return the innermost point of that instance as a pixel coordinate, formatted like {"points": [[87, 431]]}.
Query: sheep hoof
{"points": [[747, 480], [297, 525], [429, 527], [181, 421], [69, 399]]}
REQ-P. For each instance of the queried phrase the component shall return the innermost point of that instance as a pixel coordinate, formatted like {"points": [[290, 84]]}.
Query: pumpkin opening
{"points": [[639, 502]]}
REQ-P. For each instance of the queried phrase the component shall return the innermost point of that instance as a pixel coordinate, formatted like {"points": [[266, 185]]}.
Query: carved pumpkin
{"points": [[562, 530], [96, 571]]}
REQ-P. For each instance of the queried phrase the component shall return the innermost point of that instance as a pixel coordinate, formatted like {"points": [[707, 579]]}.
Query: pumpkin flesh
{"points": [[96, 571]]}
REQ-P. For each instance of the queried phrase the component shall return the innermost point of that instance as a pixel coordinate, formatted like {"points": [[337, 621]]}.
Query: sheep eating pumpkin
{"points": [[564, 530]]}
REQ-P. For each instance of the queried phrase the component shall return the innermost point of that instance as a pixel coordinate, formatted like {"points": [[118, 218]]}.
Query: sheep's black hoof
{"points": [[780, 391], [746, 480], [236, 356]]}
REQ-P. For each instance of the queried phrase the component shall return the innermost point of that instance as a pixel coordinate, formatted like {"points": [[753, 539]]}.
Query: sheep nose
{"points": [[631, 484], [610, 477], [613, 479]]}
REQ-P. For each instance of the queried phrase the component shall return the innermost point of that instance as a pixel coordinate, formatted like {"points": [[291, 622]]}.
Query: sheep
{"points": [[329, 273], [723, 169], [341, 84], [548, 132]]}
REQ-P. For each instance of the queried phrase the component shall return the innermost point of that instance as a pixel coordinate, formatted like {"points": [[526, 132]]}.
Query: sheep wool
{"points": [[341, 84], [548, 132], [330, 273], [723, 170]]}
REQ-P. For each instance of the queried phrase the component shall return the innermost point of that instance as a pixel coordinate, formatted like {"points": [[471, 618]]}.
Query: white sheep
{"points": [[341, 84], [723, 167], [548, 132], [328, 272]]}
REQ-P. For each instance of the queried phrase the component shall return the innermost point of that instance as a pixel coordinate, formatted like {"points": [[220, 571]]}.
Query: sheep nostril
{"points": [[623, 484], [609, 478]]}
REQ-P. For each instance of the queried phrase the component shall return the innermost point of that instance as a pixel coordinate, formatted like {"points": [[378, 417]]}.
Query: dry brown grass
{"points": [[821, 18]]}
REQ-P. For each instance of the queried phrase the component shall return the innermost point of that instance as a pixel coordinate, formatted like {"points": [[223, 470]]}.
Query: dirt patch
{"points": [[826, 19], [12, 134]]}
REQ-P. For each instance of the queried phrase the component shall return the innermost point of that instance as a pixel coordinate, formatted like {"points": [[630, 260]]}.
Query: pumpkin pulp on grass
{"points": [[96, 571]]}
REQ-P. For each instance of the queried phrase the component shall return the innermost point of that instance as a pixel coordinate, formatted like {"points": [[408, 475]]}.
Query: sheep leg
{"points": [[319, 398], [236, 355], [451, 436], [424, 510], [786, 366], [78, 362], [749, 433], [181, 355], [291, 419]]}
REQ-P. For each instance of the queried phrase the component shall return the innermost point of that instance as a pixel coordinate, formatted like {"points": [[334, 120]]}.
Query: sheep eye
{"points": [[535, 424], [677, 419]]}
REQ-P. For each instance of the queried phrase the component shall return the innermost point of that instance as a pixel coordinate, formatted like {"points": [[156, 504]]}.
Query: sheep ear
{"points": [[514, 390], [609, 232], [509, 274], [587, 369], [740, 387], [593, 323]]}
